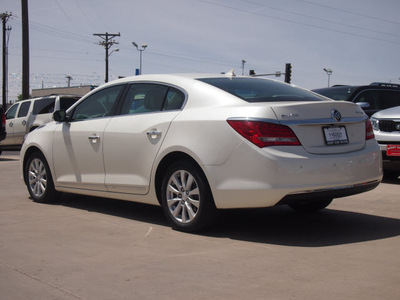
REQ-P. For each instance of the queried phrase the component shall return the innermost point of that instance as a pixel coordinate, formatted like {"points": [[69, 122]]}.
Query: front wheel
{"points": [[186, 197], [38, 179], [310, 205]]}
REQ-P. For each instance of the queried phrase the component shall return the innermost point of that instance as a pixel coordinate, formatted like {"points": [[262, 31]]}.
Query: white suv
{"points": [[386, 125], [27, 115]]}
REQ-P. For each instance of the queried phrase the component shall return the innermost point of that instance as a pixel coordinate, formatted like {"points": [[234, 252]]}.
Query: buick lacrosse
{"points": [[196, 144]]}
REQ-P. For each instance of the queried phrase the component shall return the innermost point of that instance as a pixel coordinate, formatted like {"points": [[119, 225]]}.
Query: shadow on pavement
{"points": [[282, 226], [276, 225]]}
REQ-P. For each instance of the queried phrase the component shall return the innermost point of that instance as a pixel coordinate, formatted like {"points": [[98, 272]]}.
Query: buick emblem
{"points": [[336, 115]]}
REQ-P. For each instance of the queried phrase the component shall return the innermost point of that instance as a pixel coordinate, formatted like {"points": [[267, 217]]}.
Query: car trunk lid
{"points": [[326, 127]]}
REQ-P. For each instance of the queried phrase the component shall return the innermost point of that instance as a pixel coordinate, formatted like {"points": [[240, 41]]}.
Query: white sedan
{"points": [[195, 144]]}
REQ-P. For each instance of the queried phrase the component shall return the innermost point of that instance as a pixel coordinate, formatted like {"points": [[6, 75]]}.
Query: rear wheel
{"points": [[38, 179], [186, 197], [310, 205]]}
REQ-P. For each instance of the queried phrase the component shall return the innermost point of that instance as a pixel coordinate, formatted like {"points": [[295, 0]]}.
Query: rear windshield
{"points": [[340, 93], [261, 90]]}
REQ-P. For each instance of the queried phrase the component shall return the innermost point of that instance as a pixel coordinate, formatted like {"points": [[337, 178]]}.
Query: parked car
{"points": [[372, 98], [386, 125], [3, 132], [196, 144], [27, 115]]}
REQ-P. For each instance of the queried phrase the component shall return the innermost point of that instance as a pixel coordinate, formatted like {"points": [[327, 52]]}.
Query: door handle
{"points": [[94, 138], [153, 134], [11, 124]]}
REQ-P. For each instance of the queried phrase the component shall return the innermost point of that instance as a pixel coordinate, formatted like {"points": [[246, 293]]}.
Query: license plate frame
{"points": [[335, 135], [393, 150]]}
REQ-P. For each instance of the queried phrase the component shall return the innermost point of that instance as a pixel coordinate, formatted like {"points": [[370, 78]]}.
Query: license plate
{"points": [[335, 135], [393, 150]]}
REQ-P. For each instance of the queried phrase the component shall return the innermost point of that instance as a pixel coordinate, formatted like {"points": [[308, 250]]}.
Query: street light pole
{"points": [[144, 46], [329, 73]]}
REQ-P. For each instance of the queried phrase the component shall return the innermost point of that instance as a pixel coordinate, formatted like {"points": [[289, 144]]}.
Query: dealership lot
{"points": [[90, 248]]}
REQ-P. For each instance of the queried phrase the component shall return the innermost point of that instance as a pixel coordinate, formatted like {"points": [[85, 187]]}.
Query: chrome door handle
{"points": [[153, 134], [94, 138]]}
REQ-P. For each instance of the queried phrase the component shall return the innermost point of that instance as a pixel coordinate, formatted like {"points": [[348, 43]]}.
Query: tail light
{"points": [[265, 134], [369, 132]]}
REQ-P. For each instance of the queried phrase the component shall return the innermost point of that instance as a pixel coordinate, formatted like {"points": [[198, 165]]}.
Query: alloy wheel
{"points": [[183, 196], [37, 177]]}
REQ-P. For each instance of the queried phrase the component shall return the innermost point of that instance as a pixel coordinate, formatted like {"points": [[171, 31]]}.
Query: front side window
{"points": [[23, 110], [379, 99], [261, 90], [97, 105], [12, 112], [43, 106], [339, 93]]}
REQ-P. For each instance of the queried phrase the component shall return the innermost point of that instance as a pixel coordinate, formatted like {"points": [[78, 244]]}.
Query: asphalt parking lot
{"points": [[91, 248]]}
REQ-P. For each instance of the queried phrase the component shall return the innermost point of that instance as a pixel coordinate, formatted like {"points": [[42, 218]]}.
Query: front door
{"points": [[78, 144]]}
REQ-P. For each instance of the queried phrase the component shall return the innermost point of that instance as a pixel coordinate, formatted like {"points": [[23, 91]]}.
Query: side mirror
{"points": [[60, 116], [363, 104]]}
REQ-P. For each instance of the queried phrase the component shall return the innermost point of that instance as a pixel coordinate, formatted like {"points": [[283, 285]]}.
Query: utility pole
{"points": [[4, 17], [25, 49], [107, 42]]}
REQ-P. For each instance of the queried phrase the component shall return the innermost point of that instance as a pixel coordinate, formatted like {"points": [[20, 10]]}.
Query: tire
{"points": [[38, 179], [186, 197], [310, 205]]}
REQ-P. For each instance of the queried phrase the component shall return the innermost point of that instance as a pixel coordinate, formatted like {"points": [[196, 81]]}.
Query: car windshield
{"points": [[339, 93], [261, 90]]}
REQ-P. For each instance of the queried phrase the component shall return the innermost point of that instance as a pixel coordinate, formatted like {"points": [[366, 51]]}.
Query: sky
{"points": [[359, 40]]}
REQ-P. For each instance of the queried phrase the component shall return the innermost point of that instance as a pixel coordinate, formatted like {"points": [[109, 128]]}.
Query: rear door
{"points": [[133, 139]]}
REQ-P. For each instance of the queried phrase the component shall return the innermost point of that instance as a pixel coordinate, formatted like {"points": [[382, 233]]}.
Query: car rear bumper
{"points": [[265, 177], [337, 192]]}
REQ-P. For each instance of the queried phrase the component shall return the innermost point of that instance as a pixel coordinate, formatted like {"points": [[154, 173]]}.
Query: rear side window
{"points": [[23, 110], [66, 102], [261, 90], [43, 106], [144, 97]]}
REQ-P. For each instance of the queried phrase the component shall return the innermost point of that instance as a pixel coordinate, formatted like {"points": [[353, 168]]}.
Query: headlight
{"points": [[375, 124]]}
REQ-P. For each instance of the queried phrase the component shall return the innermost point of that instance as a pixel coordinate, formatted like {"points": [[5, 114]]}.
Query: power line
{"points": [[298, 22], [350, 12], [322, 19]]}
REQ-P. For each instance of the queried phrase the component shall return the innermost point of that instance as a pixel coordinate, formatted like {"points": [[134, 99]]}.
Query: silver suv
{"points": [[27, 115]]}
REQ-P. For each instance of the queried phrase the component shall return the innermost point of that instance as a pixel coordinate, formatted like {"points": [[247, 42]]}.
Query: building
{"points": [[73, 90]]}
